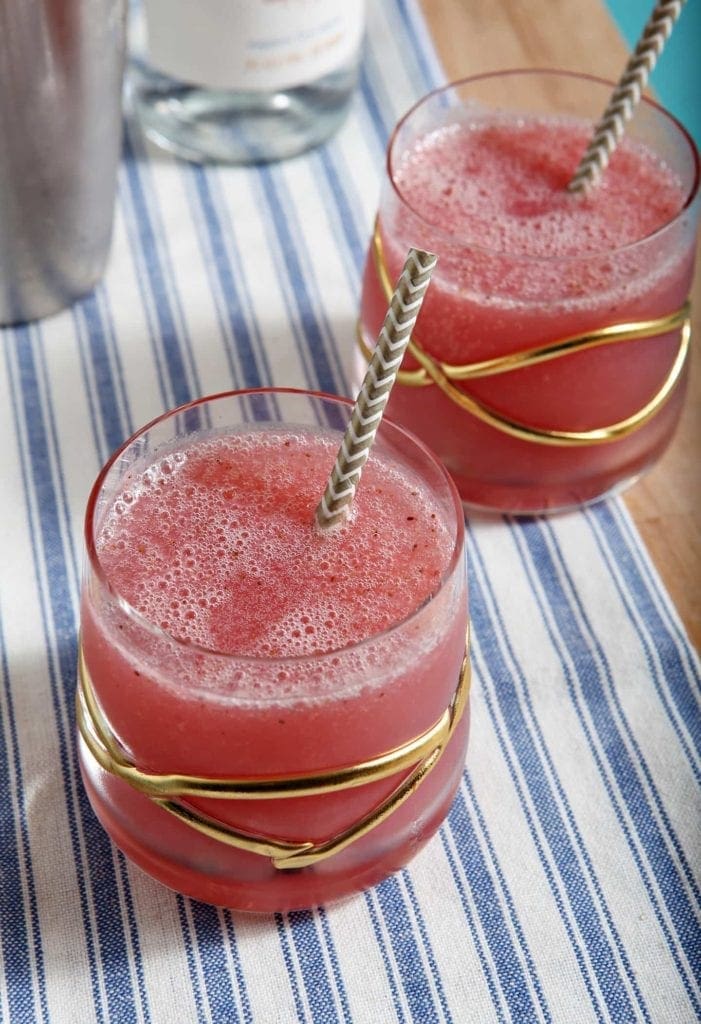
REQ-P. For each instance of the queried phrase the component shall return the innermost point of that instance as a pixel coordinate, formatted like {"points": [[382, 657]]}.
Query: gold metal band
{"points": [[420, 755], [432, 371]]}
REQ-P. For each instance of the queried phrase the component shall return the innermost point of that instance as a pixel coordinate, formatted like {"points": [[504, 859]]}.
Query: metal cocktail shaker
{"points": [[61, 65]]}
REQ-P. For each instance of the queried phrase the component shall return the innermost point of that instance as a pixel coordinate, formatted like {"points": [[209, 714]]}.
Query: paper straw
{"points": [[372, 398], [626, 96]]}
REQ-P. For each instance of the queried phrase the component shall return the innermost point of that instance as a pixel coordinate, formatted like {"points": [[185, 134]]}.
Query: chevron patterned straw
{"points": [[372, 398], [626, 96]]}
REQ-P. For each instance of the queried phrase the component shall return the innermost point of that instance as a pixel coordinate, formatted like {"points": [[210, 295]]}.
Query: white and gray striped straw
{"points": [[372, 398], [608, 131]]}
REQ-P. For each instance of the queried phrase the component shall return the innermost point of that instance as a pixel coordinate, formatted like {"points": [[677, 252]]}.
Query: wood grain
{"points": [[472, 36]]}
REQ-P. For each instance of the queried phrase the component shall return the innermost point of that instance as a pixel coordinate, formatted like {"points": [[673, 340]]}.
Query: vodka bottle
{"points": [[245, 81]]}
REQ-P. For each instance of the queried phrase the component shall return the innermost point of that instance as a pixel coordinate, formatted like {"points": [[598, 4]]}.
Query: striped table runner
{"points": [[564, 886]]}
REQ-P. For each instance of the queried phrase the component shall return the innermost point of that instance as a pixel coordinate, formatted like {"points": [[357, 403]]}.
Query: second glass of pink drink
{"points": [[224, 637], [477, 172]]}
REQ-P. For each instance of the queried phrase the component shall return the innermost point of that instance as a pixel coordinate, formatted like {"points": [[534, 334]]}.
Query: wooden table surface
{"points": [[472, 36]]}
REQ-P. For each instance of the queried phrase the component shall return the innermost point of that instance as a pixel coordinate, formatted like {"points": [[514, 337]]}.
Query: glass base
{"points": [[210, 871], [238, 127], [491, 511]]}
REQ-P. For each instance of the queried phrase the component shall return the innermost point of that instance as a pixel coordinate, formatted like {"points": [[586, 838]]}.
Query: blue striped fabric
{"points": [[564, 885]]}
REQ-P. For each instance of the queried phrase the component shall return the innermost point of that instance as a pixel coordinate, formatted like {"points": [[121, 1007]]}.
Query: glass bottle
{"points": [[245, 81]]}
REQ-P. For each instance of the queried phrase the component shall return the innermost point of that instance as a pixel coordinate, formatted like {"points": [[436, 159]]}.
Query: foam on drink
{"points": [[503, 181], [213, 544], [498, 183]]}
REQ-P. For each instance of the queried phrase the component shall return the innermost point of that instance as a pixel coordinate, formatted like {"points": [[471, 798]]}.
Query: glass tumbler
{"points": [[249, 776], [549, 361]]}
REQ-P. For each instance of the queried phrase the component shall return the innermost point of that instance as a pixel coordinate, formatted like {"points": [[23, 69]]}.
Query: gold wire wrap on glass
{"points": [[432, 371], [420, 755]]}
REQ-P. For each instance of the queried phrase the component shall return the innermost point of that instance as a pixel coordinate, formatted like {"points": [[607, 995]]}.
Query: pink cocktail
{"points": [[271, 716], [477, 172]]}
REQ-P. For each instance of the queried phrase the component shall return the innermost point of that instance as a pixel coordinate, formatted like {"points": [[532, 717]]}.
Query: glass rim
{"points": [[415, 210], [99, 571]]}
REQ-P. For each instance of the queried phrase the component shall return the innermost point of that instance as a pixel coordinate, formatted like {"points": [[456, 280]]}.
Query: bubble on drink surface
{"points": [[243, 577], [500, 183], [307, 631]]}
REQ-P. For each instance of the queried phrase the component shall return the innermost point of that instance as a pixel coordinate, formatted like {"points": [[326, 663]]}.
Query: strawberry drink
{"points": [[223, 635], [478, 173]]}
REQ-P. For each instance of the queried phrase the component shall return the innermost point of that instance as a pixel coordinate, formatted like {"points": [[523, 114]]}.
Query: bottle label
{"points": [[252, 44]]}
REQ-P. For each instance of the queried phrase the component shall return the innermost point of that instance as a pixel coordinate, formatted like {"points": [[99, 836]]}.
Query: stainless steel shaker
{"points": [[61, 67]]}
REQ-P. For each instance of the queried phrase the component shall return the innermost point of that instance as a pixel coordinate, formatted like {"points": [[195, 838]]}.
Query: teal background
{"points": [[676, 80]]}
